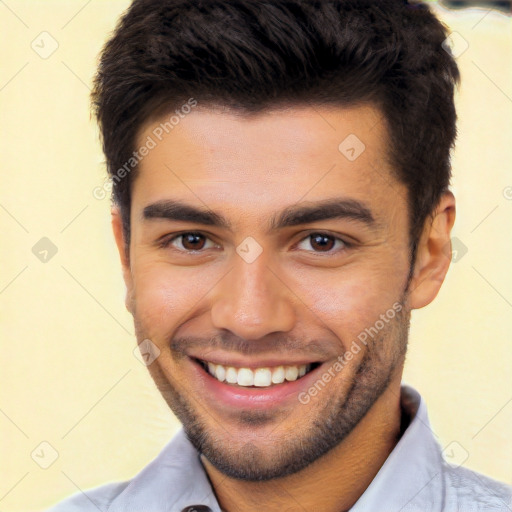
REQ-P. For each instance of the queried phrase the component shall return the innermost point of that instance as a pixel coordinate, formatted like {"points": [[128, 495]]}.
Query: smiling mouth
{"points": [[263, 377]]}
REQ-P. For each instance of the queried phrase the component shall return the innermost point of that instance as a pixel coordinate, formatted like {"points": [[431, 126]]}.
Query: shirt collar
{"points": [[174, 481], [412, 476], [410, 479]]}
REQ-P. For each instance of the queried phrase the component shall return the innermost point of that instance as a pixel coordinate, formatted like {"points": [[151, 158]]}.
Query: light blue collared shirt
{"points": [[414, 478]]}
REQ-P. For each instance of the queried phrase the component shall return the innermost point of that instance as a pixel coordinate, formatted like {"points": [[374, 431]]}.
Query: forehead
{"points": [[268, 159]]}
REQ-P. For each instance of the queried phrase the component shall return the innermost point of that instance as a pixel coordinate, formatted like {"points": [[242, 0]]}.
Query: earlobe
{"points": [[117, 227], [433, 254]]}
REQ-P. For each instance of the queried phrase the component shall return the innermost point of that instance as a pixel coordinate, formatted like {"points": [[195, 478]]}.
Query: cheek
{"points": [[349, 300], [166, 295]]}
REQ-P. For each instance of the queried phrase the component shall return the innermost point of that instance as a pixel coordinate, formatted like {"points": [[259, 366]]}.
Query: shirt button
{"points": [[197, 508]]}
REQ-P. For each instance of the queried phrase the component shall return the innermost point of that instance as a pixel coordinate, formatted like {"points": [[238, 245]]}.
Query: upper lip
{"points": [[238, 361]]}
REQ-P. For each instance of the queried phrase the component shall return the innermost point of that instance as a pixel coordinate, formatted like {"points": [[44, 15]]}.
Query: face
{"points": [[260, 253]]}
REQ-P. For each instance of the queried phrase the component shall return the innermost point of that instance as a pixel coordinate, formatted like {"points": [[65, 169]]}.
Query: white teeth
{"points": [[259, 377], [245, 377], [220, 372], [231, 375], [291, 373], [262, 377], [278, 375]]}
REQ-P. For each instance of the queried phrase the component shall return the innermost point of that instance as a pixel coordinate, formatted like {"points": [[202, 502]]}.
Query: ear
{"points": [[124, 254], [433, 254]]}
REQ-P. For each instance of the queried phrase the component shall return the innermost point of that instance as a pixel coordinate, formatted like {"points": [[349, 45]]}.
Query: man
{"points": [[281, 174]]}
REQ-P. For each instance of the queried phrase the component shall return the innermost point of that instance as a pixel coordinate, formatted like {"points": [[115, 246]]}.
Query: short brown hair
{"points": [[256, 55]]}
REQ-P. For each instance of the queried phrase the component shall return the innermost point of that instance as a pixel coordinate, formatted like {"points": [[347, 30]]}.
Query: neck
{"points": [[332, 483]]}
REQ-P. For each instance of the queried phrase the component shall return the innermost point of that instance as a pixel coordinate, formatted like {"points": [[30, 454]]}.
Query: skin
{"points": [[249, 169]]}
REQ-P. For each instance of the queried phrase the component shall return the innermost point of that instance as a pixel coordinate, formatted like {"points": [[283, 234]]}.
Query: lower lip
{"points": [[252, 397]]}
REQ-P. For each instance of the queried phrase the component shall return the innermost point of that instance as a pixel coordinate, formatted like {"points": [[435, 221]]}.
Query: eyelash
{"points": [[166, 243]]}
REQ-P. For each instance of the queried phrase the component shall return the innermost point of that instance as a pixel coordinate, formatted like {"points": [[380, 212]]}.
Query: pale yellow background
{"points": [[69, 376]]}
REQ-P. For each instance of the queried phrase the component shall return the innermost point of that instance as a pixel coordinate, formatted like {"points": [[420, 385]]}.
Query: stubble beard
{"points": [[292, 453]]}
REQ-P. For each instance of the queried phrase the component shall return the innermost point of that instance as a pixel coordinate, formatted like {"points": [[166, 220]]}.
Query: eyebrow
{"points": [[303, 213]]}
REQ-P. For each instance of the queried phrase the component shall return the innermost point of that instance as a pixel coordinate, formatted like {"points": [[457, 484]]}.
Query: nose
{"points": [[251, 301]]}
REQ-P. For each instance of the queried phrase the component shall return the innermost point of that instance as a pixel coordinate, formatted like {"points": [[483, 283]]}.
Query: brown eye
{"points": [[322, 242], [193, 241], [190, 242]]}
